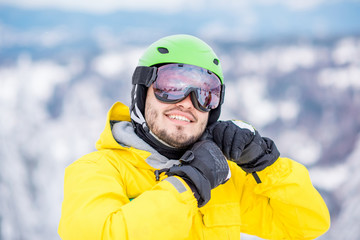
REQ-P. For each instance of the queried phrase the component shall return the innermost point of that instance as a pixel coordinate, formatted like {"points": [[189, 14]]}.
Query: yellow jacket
{"points": [[113, 194]]}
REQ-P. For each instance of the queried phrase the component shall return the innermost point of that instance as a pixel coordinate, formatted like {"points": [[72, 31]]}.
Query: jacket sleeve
{"points": [[96, 206], [285, 205]]}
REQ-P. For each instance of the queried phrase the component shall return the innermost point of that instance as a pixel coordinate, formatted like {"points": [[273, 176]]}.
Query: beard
{"points": [[177, 138]]}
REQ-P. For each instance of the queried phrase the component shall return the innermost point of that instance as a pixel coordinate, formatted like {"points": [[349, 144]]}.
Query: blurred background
{"points": [[292, 69]]}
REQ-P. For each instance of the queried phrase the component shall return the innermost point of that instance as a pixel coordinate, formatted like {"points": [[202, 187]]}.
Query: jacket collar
{"points": [[118, 112], [122, 136]]}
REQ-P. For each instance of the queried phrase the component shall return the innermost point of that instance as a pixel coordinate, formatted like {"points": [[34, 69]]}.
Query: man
{"points": [[168, 169]]}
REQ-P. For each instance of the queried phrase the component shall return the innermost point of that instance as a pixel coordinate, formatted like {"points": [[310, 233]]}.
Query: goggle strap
{"points": [[144, 75], [222, 94]]}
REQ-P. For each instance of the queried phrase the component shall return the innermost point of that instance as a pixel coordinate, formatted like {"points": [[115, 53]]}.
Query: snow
{"points": [[346, 51], [295, 57], [109, 64], [257, 108], [334, 176], [299, 146], [288, 110], [342, 77], [285, 60]]}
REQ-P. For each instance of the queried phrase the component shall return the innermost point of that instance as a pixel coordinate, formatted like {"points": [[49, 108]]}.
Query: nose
{"points": [[186, 103]]}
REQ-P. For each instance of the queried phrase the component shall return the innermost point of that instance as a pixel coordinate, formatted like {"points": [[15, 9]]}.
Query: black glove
{"points": [[204, 167], [242, 144]]}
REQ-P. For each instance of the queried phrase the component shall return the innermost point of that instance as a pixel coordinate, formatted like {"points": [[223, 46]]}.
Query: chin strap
{"points": [[137, 117], [156, 137]]}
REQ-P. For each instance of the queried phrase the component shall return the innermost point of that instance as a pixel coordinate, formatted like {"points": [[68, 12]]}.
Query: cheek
{"points": [[150, 113], [203, 117], [148, 110]]}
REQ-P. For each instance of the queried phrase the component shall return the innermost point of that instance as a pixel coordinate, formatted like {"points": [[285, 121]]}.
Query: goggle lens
{"points": [[174, 82]]}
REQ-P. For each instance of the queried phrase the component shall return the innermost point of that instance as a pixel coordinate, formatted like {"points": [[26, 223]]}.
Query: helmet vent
{"points": [[163, 50], [216, 61]]}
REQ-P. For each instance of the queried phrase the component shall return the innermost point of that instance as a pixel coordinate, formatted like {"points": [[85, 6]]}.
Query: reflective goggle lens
{"points": [[174, 82]]}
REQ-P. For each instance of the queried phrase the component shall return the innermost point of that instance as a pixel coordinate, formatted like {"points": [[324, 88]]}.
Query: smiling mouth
{"points": [[179, 118]]}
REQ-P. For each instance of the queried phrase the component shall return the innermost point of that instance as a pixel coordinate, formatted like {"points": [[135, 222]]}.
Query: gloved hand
{"points": [[241, 143], [204, 167]]}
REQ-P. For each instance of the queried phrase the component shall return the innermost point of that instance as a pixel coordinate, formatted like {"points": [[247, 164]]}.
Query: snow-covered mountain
{"points": [[57, 83]]}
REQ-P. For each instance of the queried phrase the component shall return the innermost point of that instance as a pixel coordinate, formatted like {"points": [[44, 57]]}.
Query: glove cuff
{"points": [[198, 183], [269, 155]]}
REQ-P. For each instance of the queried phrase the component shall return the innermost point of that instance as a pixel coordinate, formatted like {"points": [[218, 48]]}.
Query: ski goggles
{"points": [[174, 82]]}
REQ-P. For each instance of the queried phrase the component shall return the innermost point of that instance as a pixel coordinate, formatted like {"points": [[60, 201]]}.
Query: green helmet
{"points": [[184, 49]]}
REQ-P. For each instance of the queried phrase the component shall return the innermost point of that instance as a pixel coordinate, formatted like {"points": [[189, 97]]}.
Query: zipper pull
{"points": [[158, 172], [157, 175]]}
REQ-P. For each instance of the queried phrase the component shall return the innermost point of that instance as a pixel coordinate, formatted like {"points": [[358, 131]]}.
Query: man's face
{"points": [[178, 124]]}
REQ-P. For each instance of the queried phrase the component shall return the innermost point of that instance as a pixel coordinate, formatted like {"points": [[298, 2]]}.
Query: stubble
{"points": [[177, 138]]}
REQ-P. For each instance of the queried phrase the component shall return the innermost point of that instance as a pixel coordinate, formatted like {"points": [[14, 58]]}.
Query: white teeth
{"points": [[180, 118]]}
